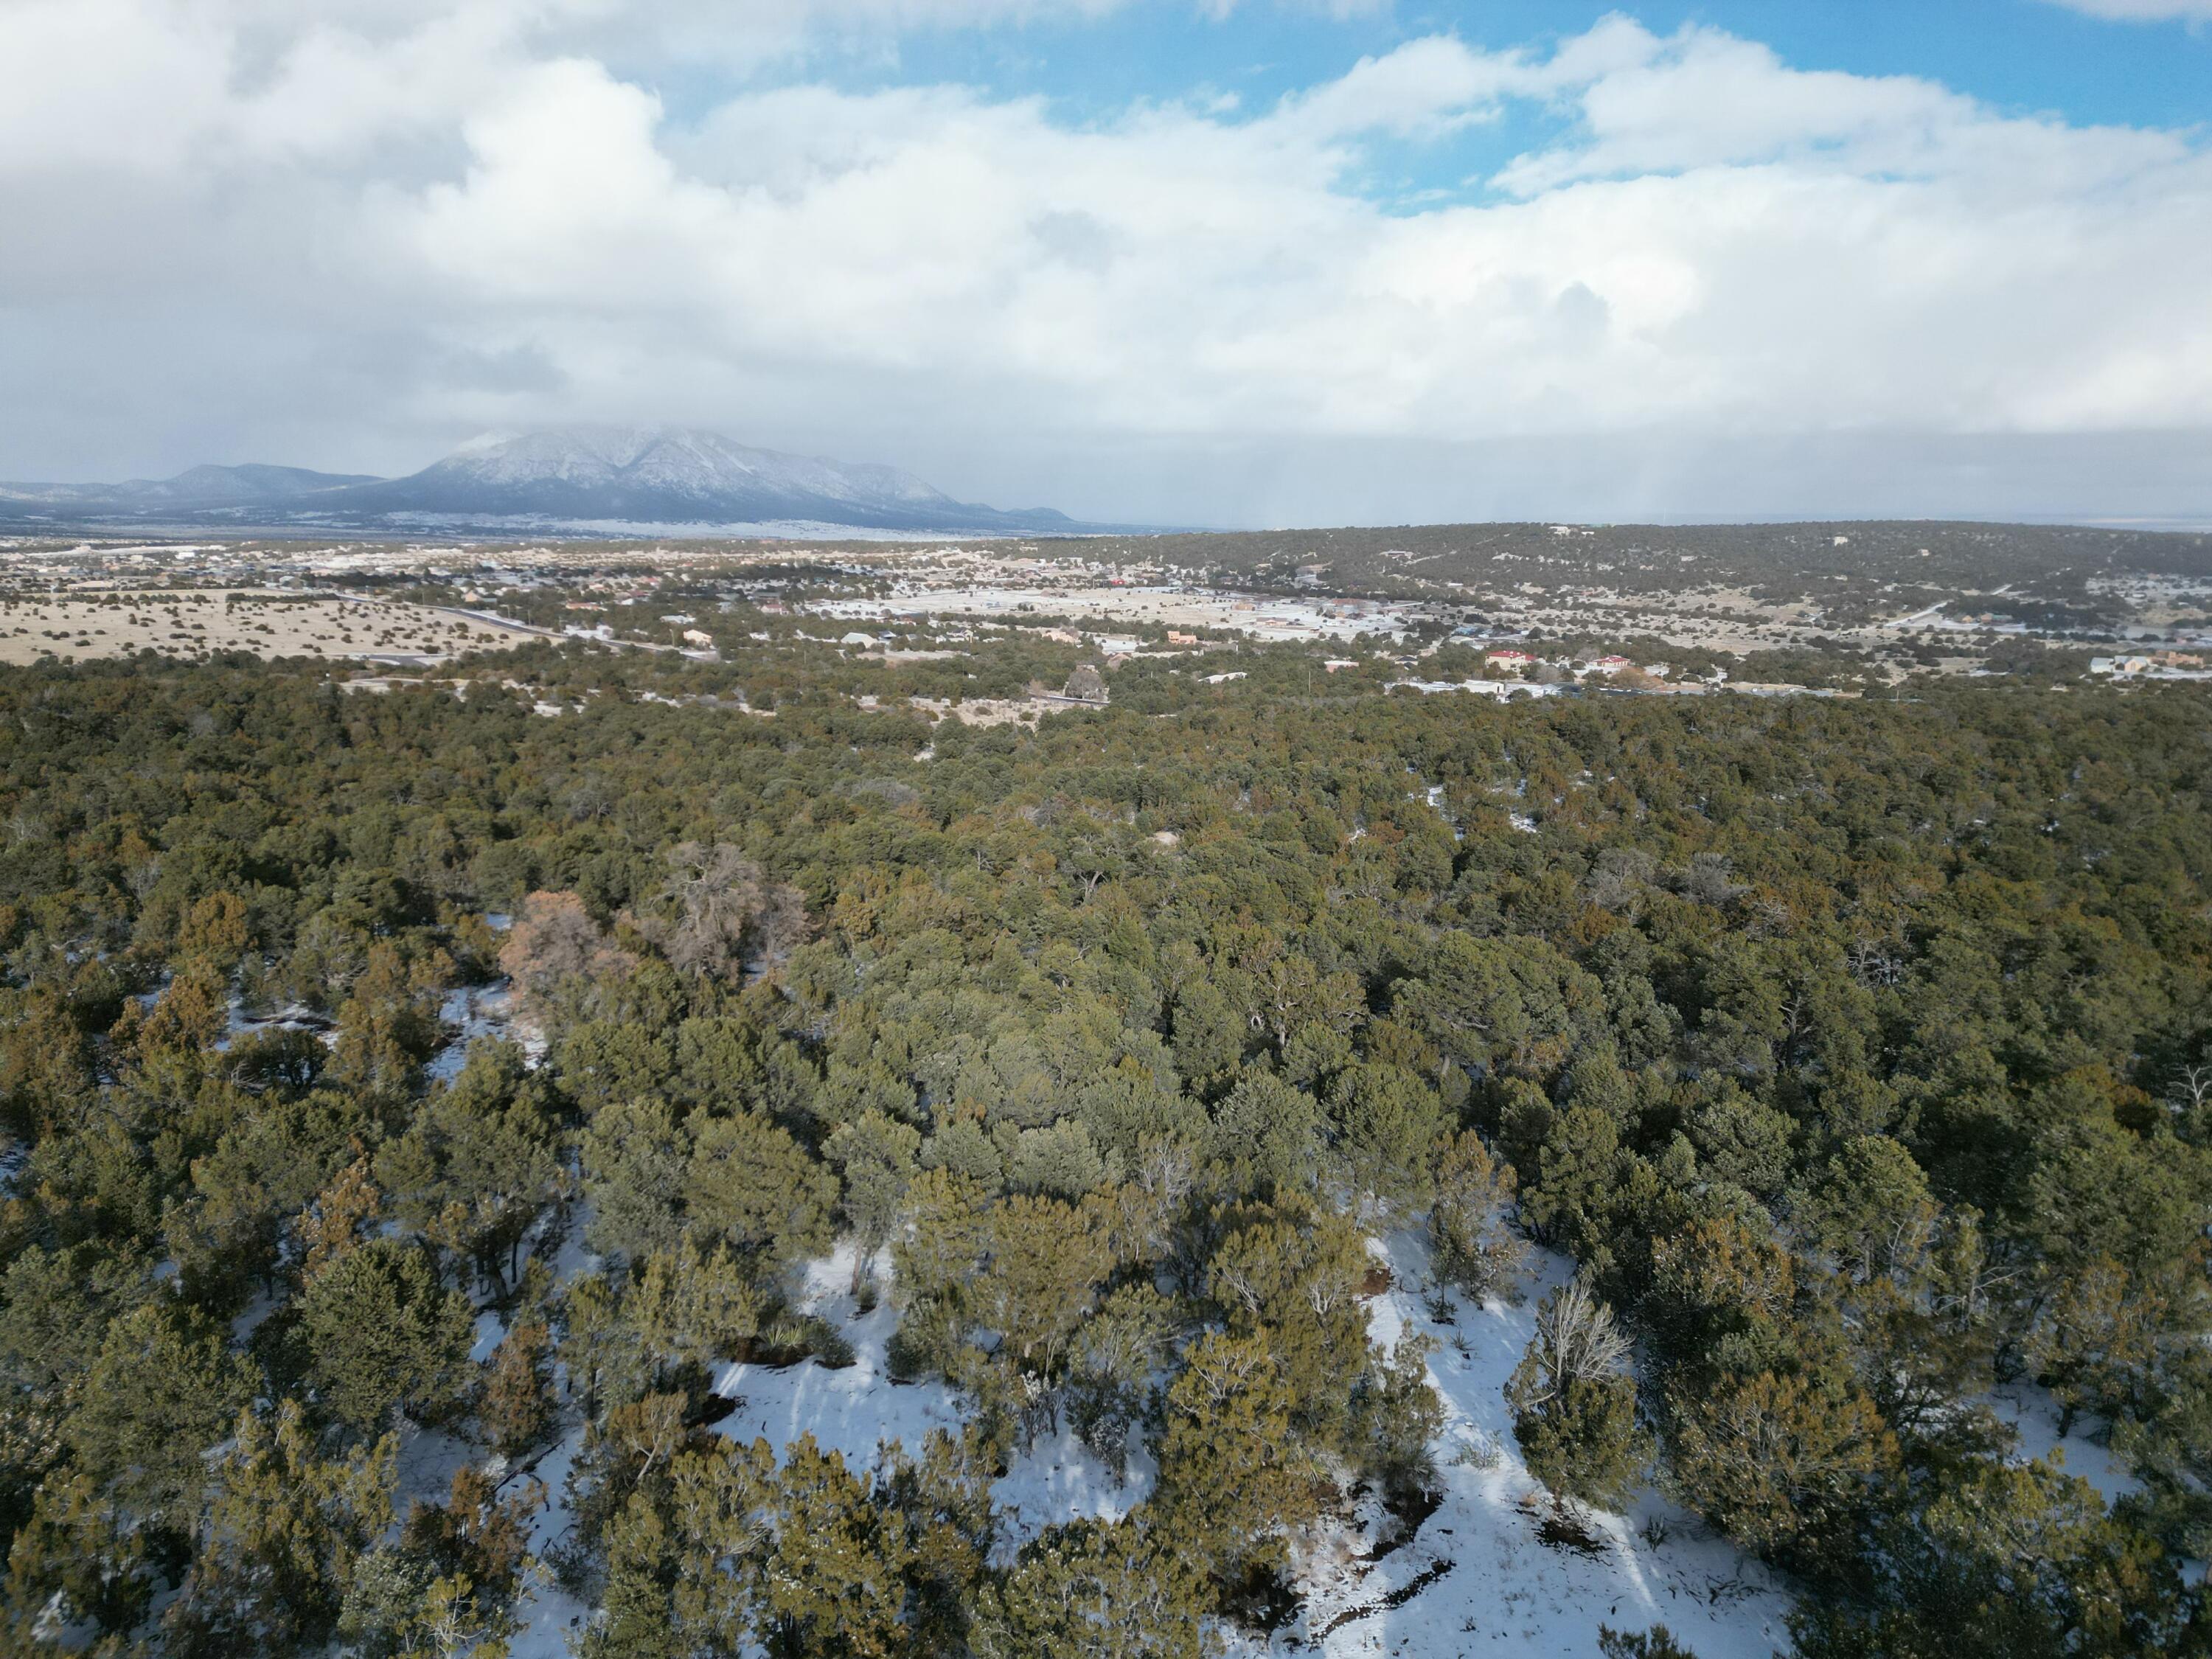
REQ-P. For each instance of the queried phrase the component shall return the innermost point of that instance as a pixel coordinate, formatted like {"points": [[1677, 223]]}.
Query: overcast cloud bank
{"points": [[347, 241]]}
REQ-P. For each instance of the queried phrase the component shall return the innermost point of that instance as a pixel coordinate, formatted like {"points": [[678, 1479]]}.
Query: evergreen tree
{"points": [[1474, 1250], [1395, 1414], [280, 1538], [161, 1392], [1657, 1643], [2001, 1562], [1293, 1276], [635, 1159], [1776, 1462], [1104, 1589], [754, 1186], [518, 1413], [78, 1558], [1233, 1477], [834, 1583], [383, 1335], [341, 1217], [877, 1158]]}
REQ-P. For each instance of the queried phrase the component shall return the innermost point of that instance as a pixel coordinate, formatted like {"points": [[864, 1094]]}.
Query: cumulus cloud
{"points": [[351, 239]]}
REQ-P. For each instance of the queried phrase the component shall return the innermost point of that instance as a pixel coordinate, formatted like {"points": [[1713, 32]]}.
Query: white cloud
{"points": [[350, 241], [2142, 11]]}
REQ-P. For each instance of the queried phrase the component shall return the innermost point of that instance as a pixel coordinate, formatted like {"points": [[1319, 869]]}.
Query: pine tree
{"points": [[477, 1541], [1102, 1590], [1395, 1414], [77, 1556], [637, 1619], [343, 1215], [876, 1158], [1109, 1382], [943, 1500], [281, 1537], [751, 1184], [1474, 1248], [517, 1412], [835, 1580], [691, 1305], [383, 1335], [1046, 1258], [1773, 1459], [1291, 1274], [162, 1391], [1232, 1476], [1387, 1121]]}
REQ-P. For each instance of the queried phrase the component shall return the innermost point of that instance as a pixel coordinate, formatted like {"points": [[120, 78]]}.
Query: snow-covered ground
{"points": [[473, 1011], [2031, 1414], [1478, 1577], [856, 1409]]}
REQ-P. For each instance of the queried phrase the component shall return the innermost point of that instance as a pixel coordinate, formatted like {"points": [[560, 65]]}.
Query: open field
{"points": [[192, 623]]}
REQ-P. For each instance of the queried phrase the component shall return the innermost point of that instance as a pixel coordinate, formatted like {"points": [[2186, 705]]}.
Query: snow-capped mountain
{"points": [[669, 475], [566, 477]]}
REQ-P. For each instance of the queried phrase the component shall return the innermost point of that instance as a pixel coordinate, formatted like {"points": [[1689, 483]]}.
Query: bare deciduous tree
{"points": [[730, 915], [1576, 1341]]}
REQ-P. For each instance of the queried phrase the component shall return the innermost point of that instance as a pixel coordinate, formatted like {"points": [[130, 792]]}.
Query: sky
{"points": [[1190, 262]]}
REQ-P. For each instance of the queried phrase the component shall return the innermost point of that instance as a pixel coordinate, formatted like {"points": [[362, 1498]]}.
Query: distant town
{"points": [[383, 606]]}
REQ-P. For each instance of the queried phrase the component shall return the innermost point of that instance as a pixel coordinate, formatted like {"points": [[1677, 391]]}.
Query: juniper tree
{"points": [[1779, 1463], [877, 1158], [517, 1411], [162, 1392], [635, 1159], [282, 1532], [1395, 1414], [750, 1183]]}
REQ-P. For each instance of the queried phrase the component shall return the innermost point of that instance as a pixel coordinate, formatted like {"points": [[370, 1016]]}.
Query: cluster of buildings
{"points": [[1512, 660], [2155, 665]]}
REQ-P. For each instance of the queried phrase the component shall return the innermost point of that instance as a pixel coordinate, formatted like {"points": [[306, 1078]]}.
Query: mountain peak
{"points": [[681, 463]]}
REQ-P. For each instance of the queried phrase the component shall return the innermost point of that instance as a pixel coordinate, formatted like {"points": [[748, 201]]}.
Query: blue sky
{"points": [[1277, 261], [2028, 55], [2022, 56]]}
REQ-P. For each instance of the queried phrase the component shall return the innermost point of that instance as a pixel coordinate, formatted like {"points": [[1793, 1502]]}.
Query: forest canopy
{"points": [[1854, 1055]]}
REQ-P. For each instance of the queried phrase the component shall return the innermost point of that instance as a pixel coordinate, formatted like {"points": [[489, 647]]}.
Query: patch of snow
{"points": [[1477, 1578], [491, 1331], [2032, 1413], [855, 1410], [471, 1011]]}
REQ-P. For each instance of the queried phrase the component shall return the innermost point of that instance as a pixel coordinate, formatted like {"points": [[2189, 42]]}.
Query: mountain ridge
{"points": [[580, 477]]}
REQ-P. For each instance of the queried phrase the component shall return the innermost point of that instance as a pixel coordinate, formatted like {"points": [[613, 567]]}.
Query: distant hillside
{"points": [[2057, 574], [196, 489]]}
